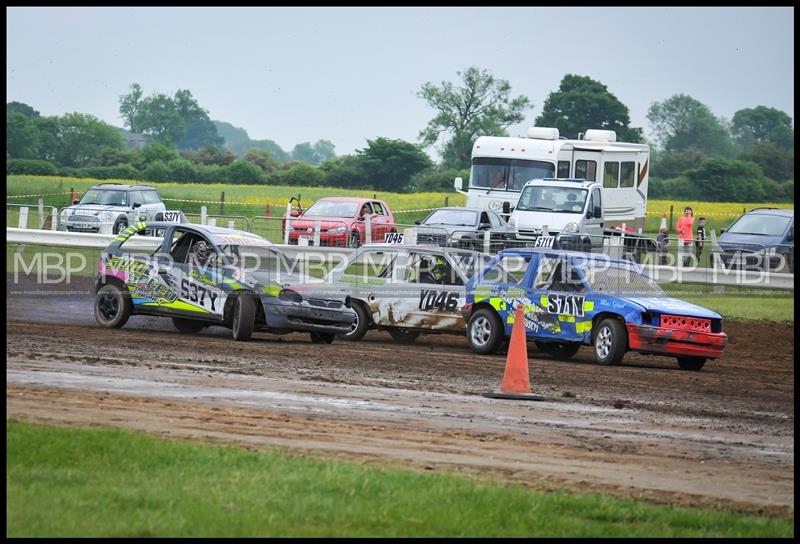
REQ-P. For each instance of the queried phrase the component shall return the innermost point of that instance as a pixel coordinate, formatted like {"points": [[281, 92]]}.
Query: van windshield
{"points": [[552, 199], [507, 174]]}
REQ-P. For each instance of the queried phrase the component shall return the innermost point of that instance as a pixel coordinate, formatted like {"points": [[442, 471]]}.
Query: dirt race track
{"points": [[721, 436]]}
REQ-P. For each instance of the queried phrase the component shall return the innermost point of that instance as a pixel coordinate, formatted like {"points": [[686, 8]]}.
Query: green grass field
{"points": [[114, 483], [252, 200]]}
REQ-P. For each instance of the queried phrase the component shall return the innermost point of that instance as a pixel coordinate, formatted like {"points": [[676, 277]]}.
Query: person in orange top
{"points": [[685, 237]]}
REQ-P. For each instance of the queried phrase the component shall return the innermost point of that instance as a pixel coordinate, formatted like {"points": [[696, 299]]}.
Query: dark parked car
{"points": [[464, 228], [761, 236]]}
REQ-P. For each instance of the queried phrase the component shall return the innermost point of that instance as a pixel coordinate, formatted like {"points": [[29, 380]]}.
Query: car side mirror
{"points": [[790, 236], [417, 222], [506, 207], [74, 202], [458, 183], [721, 231], [136, 205], [484, 226], [294, 213], [598, 212]]}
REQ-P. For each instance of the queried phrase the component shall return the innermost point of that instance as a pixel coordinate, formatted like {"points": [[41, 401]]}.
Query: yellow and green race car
{"points": [[201, 275]]}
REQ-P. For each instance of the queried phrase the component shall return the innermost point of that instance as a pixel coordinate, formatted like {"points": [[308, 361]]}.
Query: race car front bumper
{"points": [[666, 341], [310, 315]]}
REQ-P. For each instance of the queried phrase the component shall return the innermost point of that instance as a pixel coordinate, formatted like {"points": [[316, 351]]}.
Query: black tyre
{"points": [[485, 332], [244, 317], [563, 351], [360, 325], [112, 306], [322, 337], [354, 240], [403, 336], [120, 225], [610, 342], [691, 363], [188, 326]]}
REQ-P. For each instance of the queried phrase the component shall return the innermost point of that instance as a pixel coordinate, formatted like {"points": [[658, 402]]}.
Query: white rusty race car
{"points": [[406, 289]]}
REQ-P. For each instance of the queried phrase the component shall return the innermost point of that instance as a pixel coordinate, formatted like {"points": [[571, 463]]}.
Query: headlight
{"points": [[571, 228], [63, 216], [337, 230], [457, 236], [287, 295], [106, 216]]}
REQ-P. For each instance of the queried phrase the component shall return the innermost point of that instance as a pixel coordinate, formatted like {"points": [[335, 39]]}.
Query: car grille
{"points": [[82, 219], [427, 238], [529, 233], [685, 323], [324, 303]]}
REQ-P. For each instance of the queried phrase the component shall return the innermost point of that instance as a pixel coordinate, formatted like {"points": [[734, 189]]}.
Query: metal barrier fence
{"points": [[37, 216]]}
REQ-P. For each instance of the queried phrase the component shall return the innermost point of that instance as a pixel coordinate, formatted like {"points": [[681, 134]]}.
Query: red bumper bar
{"points": [[649, 339]]}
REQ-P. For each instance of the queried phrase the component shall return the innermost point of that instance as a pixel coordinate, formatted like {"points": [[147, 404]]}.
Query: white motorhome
{"points": [[502, 166]]}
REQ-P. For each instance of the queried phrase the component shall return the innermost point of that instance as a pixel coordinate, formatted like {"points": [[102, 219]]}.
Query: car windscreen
{"points": [[552, 199], [760, 224], [464, 218], [104, 197], [507, 174], [606, 277], [331, 209], [255, 258]]}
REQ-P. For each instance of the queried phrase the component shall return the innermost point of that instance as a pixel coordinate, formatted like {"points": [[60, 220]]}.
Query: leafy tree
{"points": [[437, 180], [262, 159], [581, 103], [21, 107], [683, 123], [482, 106], [313, 154], [129, 106], [298, 173], [158, 116], [111, 156], [775, 162], [390, 164], [82, 136], [200, 130], [211, 155], [724, 180], [345, 171], [21, 136], [763, 125], [671, 165]]}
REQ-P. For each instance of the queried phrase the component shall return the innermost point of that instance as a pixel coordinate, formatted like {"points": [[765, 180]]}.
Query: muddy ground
{"points": [[722, 436]]}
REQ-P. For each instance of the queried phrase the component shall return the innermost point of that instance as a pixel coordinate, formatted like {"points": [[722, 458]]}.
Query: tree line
{"points": [[695, 154]]}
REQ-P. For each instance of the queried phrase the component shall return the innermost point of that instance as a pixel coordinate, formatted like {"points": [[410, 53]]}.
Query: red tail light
{"points": [[686, 323]]}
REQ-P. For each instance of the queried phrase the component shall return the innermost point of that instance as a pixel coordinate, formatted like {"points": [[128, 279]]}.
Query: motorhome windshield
{"points": [[507, 174], [552, 199]]}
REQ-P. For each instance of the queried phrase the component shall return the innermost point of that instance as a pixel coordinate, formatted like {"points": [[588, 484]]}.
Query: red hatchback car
{"points": [[342, 221]]}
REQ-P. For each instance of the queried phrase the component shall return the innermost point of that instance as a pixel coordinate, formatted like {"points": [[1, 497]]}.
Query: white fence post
{"points": [[287, 227], [203, 215], [54, 219], [231, 223], [410, 235], [368, 228], [317, 230], [41, 213], [487, 242], [23, 218], [212, 221]]}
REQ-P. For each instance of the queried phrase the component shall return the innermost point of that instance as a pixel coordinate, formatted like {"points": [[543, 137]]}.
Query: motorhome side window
{"points": [[611, 175], [563, 169], [627, 174], [586, 170]]}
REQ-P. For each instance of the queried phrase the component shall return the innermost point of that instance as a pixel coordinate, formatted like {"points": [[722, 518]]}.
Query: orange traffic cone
{"points": [[516, 384]]}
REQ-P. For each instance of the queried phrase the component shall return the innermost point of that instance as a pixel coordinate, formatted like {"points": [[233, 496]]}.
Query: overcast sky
{"points": [[350, 74]]}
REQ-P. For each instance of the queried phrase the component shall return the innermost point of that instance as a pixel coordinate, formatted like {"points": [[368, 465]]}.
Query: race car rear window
{"points": [[510, 269], [619, 279], [372, 264]]}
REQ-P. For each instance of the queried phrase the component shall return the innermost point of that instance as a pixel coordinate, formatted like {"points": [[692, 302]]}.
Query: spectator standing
{"points": [[685, 237], [700, 237]]}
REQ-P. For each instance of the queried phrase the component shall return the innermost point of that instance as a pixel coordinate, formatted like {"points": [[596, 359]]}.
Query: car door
{"points": [[200, 288], [369, 277], [380, 222], [593, 223], [561, 300], [433, 296]]}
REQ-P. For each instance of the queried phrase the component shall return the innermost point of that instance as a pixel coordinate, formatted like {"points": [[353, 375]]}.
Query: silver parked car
{"points": [[113, 205]]}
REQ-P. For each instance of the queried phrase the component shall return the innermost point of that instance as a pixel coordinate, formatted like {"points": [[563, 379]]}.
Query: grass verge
{"points": [[107, 482]]}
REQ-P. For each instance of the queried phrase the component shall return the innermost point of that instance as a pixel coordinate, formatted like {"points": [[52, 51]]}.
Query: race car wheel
{"points": [[322, 337], [353, 240], [244, 317], [120, 225], [485, 332], [610, 342], [691, 363], [563, 351], [403, 336], [112, 306], [187, 326], [360, 325]]}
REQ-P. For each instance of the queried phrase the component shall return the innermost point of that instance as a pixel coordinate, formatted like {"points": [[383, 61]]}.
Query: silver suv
{"points": [[113, 206]]}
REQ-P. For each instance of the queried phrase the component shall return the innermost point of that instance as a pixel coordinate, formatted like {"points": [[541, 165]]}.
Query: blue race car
{"points": [[572, 299]]}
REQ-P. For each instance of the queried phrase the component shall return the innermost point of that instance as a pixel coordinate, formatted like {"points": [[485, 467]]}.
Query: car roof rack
{"points": [[763, 208], [576, 180]]}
